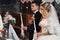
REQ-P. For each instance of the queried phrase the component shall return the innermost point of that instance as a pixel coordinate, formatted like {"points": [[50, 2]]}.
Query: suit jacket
{"points": [[38, 16]]}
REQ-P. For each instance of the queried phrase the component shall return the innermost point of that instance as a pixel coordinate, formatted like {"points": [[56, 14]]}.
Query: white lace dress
{"points": [[51, 28]]}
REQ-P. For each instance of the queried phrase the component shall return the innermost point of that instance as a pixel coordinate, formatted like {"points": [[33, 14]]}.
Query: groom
{"points": [[30, 28]]}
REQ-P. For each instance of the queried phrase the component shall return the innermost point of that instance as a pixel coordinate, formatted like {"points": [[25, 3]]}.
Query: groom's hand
{"points": [[33, 18]]}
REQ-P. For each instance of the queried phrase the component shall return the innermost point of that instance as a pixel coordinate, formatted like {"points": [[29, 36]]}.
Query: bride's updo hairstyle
{"points": [[46, 6]]}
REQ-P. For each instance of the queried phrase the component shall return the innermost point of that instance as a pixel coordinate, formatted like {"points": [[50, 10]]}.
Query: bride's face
{"points": [[42, 10]]}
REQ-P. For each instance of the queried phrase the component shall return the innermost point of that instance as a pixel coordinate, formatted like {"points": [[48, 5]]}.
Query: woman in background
{"points": [[7, 19]]}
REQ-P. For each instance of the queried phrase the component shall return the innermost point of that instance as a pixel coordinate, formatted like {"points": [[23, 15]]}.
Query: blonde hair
{"points": [[46, 6]]}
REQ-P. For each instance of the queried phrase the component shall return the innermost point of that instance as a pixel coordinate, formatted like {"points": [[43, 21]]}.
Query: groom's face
{"points": [[34, 7]]}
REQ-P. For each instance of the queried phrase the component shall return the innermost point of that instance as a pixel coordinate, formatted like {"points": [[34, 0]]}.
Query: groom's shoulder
{"points": [[38, 13]]}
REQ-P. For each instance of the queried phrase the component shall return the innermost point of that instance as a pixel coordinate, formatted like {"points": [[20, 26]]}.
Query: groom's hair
{"points": [[46, 6], [36, 3]]}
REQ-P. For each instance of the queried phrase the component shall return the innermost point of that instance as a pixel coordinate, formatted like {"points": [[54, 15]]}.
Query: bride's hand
{"points": [[42, 23]]}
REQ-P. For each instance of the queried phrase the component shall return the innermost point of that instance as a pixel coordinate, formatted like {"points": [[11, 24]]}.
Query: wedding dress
{"points": [[12, 33], [51, 30], [1, 23]]}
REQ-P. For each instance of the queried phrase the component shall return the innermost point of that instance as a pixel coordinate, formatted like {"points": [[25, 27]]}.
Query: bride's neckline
{"points": [[45, 17]]}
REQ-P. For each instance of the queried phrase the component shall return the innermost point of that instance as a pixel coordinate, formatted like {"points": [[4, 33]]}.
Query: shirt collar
{"points": [[35, 11]]}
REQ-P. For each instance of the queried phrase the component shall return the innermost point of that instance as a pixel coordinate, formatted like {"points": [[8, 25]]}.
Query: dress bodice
{"points": [[46, 25], [43, 24]]}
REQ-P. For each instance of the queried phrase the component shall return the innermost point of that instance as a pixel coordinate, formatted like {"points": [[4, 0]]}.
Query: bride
{"points": [[50, 29]]}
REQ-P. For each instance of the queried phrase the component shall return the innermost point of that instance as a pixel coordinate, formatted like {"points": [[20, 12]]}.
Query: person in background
{"points": [[8, 19]]}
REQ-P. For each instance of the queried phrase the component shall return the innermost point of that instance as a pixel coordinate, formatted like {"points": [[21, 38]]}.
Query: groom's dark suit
{"points": [[38, 16]]}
